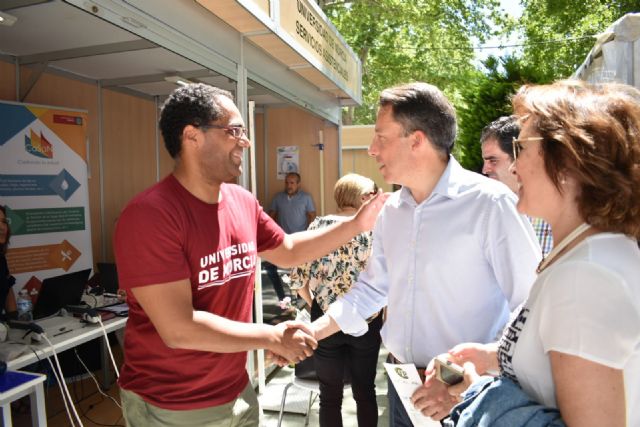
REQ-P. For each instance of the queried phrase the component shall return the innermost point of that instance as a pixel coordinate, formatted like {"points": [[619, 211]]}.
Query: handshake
{"points": [[291, 342]]}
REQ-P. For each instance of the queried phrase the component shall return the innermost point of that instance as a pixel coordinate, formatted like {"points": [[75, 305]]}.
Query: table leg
{"points": [[38, 412], [6, 415]]}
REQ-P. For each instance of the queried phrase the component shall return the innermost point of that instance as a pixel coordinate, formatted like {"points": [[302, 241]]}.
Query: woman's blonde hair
{"points": [[349, 190]]}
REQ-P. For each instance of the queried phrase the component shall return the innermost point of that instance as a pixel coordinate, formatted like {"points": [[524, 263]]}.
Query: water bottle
{"points": [[25, 306]]}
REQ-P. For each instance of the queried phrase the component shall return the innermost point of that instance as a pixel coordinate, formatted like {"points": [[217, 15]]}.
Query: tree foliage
{"points": [[431, 40], [401, 41], [571, 24], [485, 98]]}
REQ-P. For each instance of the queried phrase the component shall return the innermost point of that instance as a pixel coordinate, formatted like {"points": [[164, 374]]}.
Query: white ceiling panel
{"points": [[56, 26], [127, 64]]}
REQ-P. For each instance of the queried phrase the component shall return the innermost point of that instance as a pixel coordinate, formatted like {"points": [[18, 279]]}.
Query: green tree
{"points": [[486, 97], [570, 24], [400, 41]]}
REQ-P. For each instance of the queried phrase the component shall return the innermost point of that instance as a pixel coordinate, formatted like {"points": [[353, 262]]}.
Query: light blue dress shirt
{"points": [[450, 269]]}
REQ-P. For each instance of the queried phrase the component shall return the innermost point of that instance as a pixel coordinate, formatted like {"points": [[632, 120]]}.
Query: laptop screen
{"points": [[108, 277], [60, 291]]}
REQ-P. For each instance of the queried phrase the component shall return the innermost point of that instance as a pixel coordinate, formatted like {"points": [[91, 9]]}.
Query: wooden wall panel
{"points": [[7, 81], [60, 91], [356, 159], [129, 151], [331, 172], [293, 126]]}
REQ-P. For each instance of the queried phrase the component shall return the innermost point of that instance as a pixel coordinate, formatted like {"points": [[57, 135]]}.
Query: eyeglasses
{"points": [[236, 131], [517, 146]]}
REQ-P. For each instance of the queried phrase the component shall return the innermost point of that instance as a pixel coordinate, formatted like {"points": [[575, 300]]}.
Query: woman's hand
{"points": [[484, 357], [470, 376]]}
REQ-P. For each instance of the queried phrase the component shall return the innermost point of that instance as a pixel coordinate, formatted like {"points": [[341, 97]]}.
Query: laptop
{"points": [[108, 277], [59, 291]]}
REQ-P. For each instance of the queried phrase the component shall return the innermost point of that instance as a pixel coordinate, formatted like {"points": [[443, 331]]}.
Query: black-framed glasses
{"points": [[237, 132], [517, 146]]}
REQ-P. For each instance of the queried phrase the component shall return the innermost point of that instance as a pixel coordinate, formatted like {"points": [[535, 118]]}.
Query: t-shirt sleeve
{"points": [[310, 206], [588, 311], [148, 247], [269, 233]]}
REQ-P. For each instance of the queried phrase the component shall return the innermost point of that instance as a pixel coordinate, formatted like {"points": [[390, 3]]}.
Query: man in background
{"points": [[293, 210], [497, 153]]}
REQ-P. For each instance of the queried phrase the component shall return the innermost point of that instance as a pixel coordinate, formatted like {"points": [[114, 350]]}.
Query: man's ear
{"points": [[189, 135], [419, 139]]}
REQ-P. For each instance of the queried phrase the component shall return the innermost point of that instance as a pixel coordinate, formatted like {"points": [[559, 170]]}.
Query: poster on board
{"points": [[288, 160], [44, 189]]}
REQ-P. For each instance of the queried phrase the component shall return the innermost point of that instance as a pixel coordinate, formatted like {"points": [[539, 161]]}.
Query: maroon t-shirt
{"points": [[166, 234]]}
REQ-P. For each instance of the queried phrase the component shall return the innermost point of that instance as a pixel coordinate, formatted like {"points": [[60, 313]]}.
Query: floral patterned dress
{"points": [[334, 274]]}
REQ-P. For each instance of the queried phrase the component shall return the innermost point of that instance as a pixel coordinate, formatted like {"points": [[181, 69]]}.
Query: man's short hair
{"points": [[296, 174], [421, 106], [503, 130], [194, 104]]}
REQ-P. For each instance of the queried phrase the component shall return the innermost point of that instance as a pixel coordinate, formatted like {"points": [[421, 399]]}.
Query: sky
{"points": [[513, 8]]}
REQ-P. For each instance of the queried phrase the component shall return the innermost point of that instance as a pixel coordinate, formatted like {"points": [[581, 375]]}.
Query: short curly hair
{"points": [[193, 104], [592, 135]]}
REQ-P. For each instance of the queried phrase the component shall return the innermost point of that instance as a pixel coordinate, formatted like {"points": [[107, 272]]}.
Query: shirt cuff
{"points": [[347, 317]]}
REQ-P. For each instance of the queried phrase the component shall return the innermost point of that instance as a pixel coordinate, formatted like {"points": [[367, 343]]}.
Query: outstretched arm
{"points": [[170, 309], [312, 244]]}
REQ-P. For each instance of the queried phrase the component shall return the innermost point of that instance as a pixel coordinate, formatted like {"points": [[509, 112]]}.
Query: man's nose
{"points": [[372, 150], [485, 168], [244, 141]]}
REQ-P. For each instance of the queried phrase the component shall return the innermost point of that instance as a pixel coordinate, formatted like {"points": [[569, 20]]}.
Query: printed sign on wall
{"points": [[288, 160], [43, 186]]}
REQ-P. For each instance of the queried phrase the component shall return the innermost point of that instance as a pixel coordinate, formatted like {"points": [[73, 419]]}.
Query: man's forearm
{"points": [[208, 332], [324, 327], [309, 245]]}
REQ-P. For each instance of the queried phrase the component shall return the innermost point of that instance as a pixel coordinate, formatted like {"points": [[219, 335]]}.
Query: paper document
{"points": [[406, 380]]}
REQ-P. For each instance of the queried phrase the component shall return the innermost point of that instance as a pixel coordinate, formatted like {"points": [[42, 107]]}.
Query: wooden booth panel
{"points": [[129, 151], [359, 161], [7, 81], [293, 126]]}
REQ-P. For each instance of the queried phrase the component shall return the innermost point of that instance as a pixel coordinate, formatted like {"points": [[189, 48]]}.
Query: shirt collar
{"points": [[448, 185]]}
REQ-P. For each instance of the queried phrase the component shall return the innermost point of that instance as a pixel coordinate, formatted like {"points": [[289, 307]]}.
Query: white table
{"points": [[28, 384], [72, 339]]}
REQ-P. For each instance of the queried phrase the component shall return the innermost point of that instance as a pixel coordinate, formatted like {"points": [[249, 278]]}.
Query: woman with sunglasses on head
{"points": [[320, 283], [575, 345], [7, 298]]}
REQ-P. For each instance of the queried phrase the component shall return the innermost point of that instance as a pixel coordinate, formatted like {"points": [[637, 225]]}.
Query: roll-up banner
{"points": [[43, 186]]}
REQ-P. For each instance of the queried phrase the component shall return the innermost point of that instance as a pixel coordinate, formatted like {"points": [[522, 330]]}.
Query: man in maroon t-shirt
{"points": [[186, 251]]}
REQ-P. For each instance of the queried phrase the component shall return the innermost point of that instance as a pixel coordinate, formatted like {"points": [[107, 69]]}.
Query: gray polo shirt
{"points": [[292, 210]]}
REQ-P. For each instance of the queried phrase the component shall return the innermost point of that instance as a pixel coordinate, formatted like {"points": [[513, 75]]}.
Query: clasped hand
{"points": [[293, 342]]}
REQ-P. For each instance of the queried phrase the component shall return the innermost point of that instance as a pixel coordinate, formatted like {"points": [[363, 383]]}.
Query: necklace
{"points": [[561, 246]]}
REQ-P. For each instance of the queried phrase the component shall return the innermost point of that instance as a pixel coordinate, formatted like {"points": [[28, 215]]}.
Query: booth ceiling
{"points": [[55, 36]]}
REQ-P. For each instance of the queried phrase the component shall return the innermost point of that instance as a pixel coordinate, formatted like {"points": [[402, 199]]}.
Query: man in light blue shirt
{"points": [[293, 210], [451, 255]]}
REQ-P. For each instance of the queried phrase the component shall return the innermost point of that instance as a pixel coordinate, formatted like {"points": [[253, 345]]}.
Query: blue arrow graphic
{"points": [[63, 184]]}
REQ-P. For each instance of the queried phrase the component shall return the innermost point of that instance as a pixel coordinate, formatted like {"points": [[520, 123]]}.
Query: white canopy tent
{"points": [[616, 54]]}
